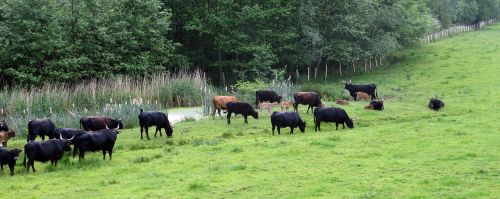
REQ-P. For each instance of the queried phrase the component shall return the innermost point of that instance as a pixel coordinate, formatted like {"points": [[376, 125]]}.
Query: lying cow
{"points": [[286, 105], [3, 126], [267, 105], [242, 108], [370, 89], [287, 119], [44, 151], [42, 128], [102, 140], [220, 102], [95, 123], [435, 104], [362, 96], [9, 157], [5, 136], [337, 115], [266, 95], [341, 102], [311, 99], [154, 118], [376, 105]]}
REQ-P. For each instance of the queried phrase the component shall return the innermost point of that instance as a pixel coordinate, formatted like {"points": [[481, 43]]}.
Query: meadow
{"points": [[405, 151]]}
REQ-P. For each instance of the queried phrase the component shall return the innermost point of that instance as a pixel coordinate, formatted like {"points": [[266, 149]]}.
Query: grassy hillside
{"points": [[405, 151]]}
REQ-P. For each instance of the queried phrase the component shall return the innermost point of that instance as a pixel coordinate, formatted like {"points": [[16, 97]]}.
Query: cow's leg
{"points": [[336, 126], [147, 133], [159, 129], [55, 162], [1, 166], [74, 151], [11, 168], [273, 128], [4, 144], [228, 117], [43, 137], [218, 111], [343, 125], [245, 116], [51, 162], [104, 154], [156, 131], [32, 163], [110, 153], [279, 130], [308, 107], [141, 131], [81, 156], [295, 106], [291, 130]]}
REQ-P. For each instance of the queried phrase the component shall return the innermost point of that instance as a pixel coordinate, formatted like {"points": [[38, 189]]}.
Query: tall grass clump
{"points": [[120, 97]]}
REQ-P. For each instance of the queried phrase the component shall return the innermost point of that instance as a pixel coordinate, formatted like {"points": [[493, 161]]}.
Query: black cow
{"points": [[103, 140], [44, 151], [68, 133], [4, 127], [242, 108], [9, 157], [95, 123], [370, 89], [266, 95], [287, 119], [154, 118], [435, 104], [41, 127], [333, 114], [311, 99], [376, 105]]}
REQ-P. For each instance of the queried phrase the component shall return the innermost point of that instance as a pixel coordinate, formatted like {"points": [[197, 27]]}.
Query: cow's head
{"points": [[347, 84], [279, 99], [118, 123], [14, 153], [254, 114], [66, 142], [3, 126], [349, 123], [302, 126], [169, 130]]}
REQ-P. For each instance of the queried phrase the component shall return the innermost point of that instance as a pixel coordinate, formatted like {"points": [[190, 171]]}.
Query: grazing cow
{"points": [[67, 133], [5, 136], [102, 140], [95, 123], [376, 105], [221, 101], [4, 127], [242, 108], [362, 96], [41, 127], [333, 114], [267, 105], [44, 151], [370, 89], [341, 102], [285, 105], [311, 99], [9, 157], [266, 95], [435, 104], [287, 119], [153, 118]]}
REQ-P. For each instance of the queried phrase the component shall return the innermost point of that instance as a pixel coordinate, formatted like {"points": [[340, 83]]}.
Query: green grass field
{"points": [[405, 151]]}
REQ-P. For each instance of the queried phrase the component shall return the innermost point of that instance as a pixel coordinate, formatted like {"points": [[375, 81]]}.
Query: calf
{"points": [[376, 105], [311, 99], [266, 95], [220, 102], [341, 102], [41, 127], [286, 105], [103, 140], [267, 105], [287, 119], [44, 151], [3, 126], [337, 115], [362, 96], [242, 108], [435, 104], [370, 89], [9, 157], [154, 118], [5, 136], [95, 123]]}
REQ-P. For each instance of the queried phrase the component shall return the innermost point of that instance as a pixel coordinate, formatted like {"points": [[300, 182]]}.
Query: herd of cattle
{"points": [[99, 133]]}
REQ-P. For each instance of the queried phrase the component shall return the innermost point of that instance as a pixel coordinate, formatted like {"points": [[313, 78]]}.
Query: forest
{"points": [[72, 40]]}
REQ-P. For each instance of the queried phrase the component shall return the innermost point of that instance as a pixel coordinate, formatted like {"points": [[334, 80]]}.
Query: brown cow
{"points": [[286, 105], [364, 96], [311, 99], [221, 101], [5, 136], [341, 102]]}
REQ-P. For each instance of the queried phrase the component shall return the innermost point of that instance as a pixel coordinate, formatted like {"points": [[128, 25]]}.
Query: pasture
{"points": [[405, 151]]}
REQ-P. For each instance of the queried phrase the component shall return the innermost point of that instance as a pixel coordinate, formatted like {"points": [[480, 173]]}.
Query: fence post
{"points": [[308, 73], [326, 71], [340, 68]]}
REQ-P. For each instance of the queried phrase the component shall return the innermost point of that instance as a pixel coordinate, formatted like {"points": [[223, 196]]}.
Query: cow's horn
{"points": [[60, 137], [353, 119], [106, 126], [117, 127], [71, 138]]}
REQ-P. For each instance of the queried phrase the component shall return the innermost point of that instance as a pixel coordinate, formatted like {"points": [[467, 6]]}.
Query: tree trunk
{"points": [[340, 69], [315, 72], [297, 73], [308, 73], [365, 66], [326, 71]]}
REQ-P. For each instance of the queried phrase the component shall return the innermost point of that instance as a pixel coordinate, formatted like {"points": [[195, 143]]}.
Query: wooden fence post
{"points": [[308, 73], [326, 71]]}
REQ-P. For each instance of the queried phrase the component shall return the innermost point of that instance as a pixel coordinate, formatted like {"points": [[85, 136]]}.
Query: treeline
{"points": [[70, 40]]}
